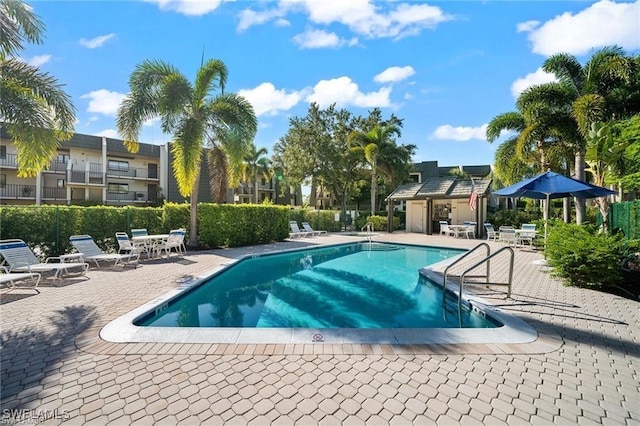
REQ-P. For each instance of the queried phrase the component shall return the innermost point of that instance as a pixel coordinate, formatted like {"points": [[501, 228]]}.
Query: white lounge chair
{"points": [[470, 231], [19, 258], [91, 252], [308, 228], [295, 230], [12, 279]]}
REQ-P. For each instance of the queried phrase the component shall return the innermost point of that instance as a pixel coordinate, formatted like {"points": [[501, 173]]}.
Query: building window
{"points": [[3, 181], [121, 166], [61, 183], [63, 158], [415, 177], [3, 152], [118, 188]]}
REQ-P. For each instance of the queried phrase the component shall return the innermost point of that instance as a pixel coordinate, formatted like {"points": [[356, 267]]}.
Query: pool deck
{"points": [[582, 369]]}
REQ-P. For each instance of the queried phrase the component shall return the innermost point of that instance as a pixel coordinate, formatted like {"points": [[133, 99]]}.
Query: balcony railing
{"points": [[18, 191], [9, 160], [129, 197], [133, 173], [57, 167], [86, 177], [54, 193]]}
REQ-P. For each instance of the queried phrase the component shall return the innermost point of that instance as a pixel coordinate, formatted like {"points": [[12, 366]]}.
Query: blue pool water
{"points": [[358, 285]]}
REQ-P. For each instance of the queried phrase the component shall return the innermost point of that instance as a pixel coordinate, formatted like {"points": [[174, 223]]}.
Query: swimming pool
{"points": [[359, 285], [248, 314]]}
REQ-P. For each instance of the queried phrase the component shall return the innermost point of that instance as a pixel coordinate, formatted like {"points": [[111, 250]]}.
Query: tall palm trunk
{"points": [[193, 213], [373, 191], [580, 175], [255, 180]]}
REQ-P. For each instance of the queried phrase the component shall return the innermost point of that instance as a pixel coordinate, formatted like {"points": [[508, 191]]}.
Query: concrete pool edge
{"points": [[122, 330]]}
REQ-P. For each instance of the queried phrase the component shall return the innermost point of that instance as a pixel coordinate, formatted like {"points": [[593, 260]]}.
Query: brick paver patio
{"points": [[582, 370]]}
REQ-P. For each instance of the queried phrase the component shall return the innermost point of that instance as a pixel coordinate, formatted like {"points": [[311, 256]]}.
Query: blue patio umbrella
{"points": [[550, 185]]}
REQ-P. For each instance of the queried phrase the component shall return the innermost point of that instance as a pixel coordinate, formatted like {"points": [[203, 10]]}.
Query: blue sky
{"points": [[447, 68]]}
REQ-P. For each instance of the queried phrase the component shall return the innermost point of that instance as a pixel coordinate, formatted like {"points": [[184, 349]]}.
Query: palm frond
{"points": [[510, 121], [566, 68], [212, 76], [18, 24], [187, 154]]}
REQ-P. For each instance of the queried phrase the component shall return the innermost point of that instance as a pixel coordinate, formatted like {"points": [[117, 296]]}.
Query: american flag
{"points": [[473, 198]]}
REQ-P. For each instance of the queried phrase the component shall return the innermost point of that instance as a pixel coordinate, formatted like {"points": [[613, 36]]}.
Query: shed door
{"points": [[417, 216]]}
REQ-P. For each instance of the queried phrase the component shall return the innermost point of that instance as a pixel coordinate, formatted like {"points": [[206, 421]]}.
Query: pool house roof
{"points": [[441, 187]]}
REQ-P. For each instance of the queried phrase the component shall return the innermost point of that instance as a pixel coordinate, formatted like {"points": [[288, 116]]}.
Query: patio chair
{"points": [[175, 241], [491, 233], [295, 230], [19, 258], [139, 232], [91, 252], [527, 233], [127, 246], [12, 279], [470, 231], [308, 228], [444, 228], [508, 236]]}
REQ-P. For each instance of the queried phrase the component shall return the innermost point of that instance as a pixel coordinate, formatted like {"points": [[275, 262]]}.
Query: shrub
{"points": [[583, 257], [238, 225], [378, 224], [320, 220]]}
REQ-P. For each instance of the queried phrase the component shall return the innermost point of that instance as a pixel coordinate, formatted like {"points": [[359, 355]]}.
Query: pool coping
{"points": [[122, 329]]}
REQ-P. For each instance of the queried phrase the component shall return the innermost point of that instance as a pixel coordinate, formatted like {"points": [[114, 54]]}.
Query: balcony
{"points": [[57, 167], [133, 173], [18, 192], [9, 160], [130, 197], [54, 193], [93, 176]]}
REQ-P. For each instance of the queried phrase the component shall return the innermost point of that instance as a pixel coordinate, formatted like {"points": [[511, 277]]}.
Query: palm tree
{"points": [[369, 145], [195, 114], [35, 110], [256, 165], [595, 91]]}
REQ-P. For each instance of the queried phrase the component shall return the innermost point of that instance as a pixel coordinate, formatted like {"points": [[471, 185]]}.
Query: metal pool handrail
{"points": [[458, 260], [369, 227], [480, 262]]}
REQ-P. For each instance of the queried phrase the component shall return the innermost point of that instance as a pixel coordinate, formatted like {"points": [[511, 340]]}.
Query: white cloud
{"points": [[360, 16], [188, 7], [315, 39], [525, 27], [266, 99], [344, 92], [104, 101], [96, 41], [461, 133], [37, 60], [110, 133], [602, 24], [394, 74], [531, 79], [281, 22]]}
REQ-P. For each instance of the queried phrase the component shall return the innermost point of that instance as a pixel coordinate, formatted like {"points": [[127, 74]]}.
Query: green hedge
{"points": [[49, 227], [239, 225], [320, 220], [379, 224]]}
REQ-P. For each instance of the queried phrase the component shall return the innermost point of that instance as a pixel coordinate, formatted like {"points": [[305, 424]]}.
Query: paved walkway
{"points": [[584, 368]]}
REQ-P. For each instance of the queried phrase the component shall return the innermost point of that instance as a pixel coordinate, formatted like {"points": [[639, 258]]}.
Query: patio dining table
{"points": [[150, 241], [458, 230]]}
